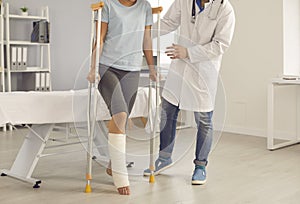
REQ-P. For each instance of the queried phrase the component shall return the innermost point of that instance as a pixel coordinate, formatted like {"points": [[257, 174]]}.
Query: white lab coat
{"points": [[192, 83]]}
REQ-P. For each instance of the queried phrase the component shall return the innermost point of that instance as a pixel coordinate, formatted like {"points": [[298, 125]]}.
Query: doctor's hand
{"points": [[177, 52]]}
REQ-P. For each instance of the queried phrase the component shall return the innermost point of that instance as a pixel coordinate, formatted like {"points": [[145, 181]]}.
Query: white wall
{"points": [[256, 56]]}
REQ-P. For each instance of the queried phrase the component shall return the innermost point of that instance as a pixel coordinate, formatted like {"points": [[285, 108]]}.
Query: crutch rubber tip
{"points": [[88, 177], [88, 188], [151, 179]]}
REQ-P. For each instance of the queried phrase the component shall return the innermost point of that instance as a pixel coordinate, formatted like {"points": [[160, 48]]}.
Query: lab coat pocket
{"points": [[205, 29], [196, 78]]}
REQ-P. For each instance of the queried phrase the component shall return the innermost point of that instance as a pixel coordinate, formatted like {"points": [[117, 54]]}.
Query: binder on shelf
{"points": [[43, 81], [47, 36], [24, 58], [48, 81], [37, 81], [40, 32], [13, 58], [19, 57]]}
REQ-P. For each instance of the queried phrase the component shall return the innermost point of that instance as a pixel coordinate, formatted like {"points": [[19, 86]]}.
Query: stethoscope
{"points": [[213, 12]]}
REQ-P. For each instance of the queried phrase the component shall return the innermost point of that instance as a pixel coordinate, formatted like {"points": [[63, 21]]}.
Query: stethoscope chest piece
{"points": [[193, 19]]}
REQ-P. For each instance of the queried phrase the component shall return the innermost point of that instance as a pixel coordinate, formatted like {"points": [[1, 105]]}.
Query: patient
{"points": [[125, 34]]}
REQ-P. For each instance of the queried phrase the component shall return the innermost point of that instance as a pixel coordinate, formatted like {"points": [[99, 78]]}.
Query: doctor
{"points": [[206, 31]]}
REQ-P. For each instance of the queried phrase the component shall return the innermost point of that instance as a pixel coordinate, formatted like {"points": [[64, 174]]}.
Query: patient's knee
{"points": [[118, 123]]}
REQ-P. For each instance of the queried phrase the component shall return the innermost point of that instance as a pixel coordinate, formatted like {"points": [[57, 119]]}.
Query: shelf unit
{"points": [[31, 73], [2, 79], [2, 73]]}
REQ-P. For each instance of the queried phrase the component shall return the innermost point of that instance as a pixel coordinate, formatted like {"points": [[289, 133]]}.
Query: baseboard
{"points": [[242, 130], [284, 135]]}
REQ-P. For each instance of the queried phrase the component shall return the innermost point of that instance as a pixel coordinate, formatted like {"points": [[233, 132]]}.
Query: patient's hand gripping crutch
{"points": [[94, 61], [154, 123]]}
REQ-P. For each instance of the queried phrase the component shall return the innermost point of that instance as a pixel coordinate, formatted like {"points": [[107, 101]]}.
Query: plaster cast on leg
{"points": [[117, 148]]}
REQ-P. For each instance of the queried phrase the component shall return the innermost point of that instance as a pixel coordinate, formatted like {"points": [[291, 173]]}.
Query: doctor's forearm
{"points": [[219, 44], [206, 52], [165, 28]]}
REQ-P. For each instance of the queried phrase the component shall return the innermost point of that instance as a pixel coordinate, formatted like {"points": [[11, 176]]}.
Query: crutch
{"points": [[94, 61], [157, 11]]}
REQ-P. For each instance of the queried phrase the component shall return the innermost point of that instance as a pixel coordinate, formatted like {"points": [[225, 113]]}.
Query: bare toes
{"points": [[124, 190]]}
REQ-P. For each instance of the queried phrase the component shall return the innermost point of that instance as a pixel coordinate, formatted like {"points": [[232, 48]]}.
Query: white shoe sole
{"points": [[157, 172], [197, 182]]}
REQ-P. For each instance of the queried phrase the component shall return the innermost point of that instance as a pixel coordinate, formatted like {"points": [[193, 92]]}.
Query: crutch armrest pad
{"points": [[97, 6], [157, 10]]}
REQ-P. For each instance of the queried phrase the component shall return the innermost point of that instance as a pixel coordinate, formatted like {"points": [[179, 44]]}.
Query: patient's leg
{"points": [[117, 150], [117, 123]]}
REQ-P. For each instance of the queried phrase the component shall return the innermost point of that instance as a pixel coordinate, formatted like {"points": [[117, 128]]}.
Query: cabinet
{"points": [[17, 47]]}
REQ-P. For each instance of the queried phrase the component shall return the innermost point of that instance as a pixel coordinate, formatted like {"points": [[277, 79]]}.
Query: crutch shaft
{"points": [[91, 119], [157, 11]]}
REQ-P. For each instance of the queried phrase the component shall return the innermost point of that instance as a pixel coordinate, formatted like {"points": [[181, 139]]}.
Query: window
{"points": [[291, 37]]}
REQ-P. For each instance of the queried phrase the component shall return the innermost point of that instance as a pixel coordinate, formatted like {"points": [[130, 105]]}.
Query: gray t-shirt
{"points": [[123, 44]]}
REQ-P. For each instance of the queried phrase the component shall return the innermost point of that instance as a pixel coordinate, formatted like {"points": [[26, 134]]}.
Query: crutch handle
{"points": [[97, 6], [157, 10]]}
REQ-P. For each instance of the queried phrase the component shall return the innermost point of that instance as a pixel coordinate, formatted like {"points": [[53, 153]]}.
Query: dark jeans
{"points": [[203, 120]]}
